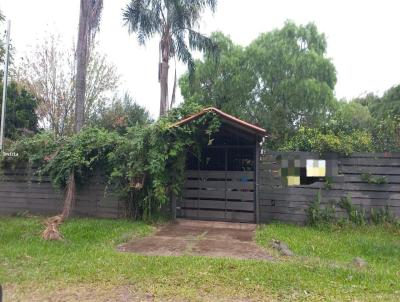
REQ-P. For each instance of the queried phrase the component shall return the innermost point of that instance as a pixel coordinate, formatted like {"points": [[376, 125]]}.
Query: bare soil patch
{"points": [[200, 238]]}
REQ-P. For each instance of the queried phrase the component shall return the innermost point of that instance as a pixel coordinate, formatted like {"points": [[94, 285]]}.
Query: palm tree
{"points": [[175, 21], [89, 20]]}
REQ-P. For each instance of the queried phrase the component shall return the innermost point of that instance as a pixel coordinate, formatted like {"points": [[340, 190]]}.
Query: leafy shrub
{"points": [[36, 149], [315, 140], [155, 153], [354, 214], [381, 216], [377, 180], [317, 215], [121, 114], [386, 134]]}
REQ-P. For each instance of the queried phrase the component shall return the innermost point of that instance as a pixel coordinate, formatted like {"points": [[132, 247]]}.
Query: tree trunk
{"points": [[81, 65], [69, 197], [164, 88]]}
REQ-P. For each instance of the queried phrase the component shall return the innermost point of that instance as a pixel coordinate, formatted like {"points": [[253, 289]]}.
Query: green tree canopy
{"points": [[282, 80], [387, 105], [295, 80], [20, 111], [122, 113], [350, 116], [226, 85]]}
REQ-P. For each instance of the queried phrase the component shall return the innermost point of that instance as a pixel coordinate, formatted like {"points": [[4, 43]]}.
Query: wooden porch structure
{"points": [[222, 184]]}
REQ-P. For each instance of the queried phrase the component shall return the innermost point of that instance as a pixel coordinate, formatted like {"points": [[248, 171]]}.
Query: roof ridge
{"points": [[223, 114]]}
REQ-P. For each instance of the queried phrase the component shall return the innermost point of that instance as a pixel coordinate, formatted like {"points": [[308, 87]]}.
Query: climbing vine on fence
{"points": [[155, 154]]}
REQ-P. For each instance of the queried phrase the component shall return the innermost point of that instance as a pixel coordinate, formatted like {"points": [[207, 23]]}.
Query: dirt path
{"points": [[202, 238]]}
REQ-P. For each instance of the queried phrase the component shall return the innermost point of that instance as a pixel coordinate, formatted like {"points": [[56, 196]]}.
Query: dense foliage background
{"points": [[283, 81], [151, 154]]}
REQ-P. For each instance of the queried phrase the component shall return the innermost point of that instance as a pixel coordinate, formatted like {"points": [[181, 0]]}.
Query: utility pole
{"points": [[5, 82]]}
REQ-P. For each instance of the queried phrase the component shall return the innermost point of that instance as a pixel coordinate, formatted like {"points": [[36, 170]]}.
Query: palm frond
{"points": [[182, 52], [143, 17], [95, 16], [202, 43], [186, 13]]}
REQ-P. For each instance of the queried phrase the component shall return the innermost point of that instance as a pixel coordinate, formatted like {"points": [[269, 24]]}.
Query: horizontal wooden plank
{"points": [[219, 174], [361, 186], [218, 215], [21, 207], [285, 210], [217, 204], [367, 187], [388, 162], [22, 187], [284, 203], [238, 185], [30, 195], [390, 179], [187, 193], [220, 194], [369, 169], [309, 194], [240, 195]]}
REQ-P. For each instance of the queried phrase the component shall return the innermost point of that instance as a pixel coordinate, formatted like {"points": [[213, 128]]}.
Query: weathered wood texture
{"points": [[218, 195], [288, 204], [22, 190]]}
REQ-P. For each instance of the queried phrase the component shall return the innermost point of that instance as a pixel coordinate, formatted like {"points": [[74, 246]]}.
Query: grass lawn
{"points": [[87, 262]]}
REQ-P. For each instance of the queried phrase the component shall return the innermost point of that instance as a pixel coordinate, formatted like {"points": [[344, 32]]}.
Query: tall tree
{"points": [[176, 22], [89, 20], [21, 105], [48, 71], [226, 85], [283, 80], [123, 112], [295, 79]]}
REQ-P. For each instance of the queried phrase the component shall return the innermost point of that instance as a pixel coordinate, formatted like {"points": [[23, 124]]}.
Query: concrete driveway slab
{"points": [[200, 238]]}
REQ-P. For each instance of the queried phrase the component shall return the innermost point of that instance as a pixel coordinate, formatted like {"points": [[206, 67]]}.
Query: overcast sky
{"points": [[363, 37]]}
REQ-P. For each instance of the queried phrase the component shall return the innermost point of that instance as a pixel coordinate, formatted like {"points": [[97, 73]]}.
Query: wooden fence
{"points": [[218, 195], [347, 178], [22, 190]]}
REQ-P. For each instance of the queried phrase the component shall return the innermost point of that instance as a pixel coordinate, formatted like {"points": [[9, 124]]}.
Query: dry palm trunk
{"points": [[82, 49], [163, 73], [164, 88], [52, 224], [89, 19], [69, 197], [173, 90]]}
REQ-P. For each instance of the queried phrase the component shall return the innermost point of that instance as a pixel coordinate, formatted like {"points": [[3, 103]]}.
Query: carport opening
{"points": [[220, 182], [230, 151]]}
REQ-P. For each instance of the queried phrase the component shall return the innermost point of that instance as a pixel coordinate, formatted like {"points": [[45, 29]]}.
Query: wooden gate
{"points": [[218, 195]]}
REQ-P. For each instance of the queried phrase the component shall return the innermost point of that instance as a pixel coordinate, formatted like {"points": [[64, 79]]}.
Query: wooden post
{"points": [[173, 206], [226, 175], [257, 177]]}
